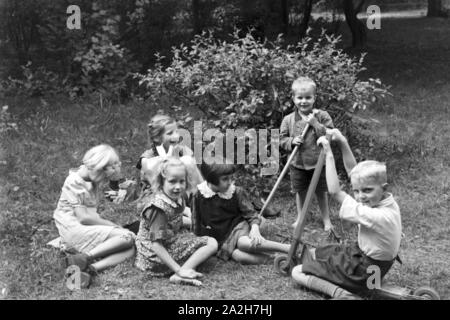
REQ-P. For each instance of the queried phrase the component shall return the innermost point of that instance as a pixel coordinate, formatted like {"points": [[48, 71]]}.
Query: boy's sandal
{"points": [[179, 280]]}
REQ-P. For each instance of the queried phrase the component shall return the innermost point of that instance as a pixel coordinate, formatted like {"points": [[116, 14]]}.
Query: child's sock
{"points": [[326, 287]]}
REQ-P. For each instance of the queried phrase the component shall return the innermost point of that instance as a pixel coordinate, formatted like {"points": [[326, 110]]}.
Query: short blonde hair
{"points": [[301, 81], [370, 169], [161, 172], [98, 157], [157, 126]]}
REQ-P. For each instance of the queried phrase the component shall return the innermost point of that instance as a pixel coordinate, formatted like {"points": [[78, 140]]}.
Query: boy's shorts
{"points": [[300, 180]]}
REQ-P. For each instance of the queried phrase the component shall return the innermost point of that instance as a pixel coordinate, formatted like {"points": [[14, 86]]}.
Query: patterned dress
{"points": [[76, 192], [223, 216], [161, 221], [154, 157]]}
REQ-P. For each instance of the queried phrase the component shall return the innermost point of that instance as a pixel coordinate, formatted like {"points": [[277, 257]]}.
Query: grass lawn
{"points": [[410, 55]]}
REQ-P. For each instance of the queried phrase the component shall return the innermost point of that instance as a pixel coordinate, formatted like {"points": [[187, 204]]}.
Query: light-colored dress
{"points": [[76, 192]]}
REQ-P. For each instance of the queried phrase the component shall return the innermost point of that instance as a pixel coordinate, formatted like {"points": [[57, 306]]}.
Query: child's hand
{"points": [[335, 135], [110, 195], [311, 119], [297, 141], [120, 197], [126, 184], [325, 143], [255, 236]]}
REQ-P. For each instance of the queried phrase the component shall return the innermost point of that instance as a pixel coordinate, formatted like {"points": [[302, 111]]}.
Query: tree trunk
{"points": [[285, 16], [436, 9], [196, 22], [306, 17], [357, 28]]}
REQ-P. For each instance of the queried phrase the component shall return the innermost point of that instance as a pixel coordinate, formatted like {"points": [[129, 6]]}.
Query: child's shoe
{"points": [[82, 260]]}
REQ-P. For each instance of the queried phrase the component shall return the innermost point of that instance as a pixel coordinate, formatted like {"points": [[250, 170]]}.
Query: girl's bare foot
{"points": [[179, 280]]}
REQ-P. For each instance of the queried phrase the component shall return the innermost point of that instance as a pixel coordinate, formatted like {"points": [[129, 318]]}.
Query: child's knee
{"points": [[131, 252], [244, 244], [128, 239], [212, 244]]}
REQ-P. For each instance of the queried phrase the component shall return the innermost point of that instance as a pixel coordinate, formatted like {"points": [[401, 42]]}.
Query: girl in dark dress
{"points": [[223, 211]]}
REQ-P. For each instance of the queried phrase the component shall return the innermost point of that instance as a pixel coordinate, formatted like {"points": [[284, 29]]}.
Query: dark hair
{"points": [[212, 172]]}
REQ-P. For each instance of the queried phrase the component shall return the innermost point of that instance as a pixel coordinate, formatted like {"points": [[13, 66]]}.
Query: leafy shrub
{"points": [[76, 61], [246, 84], [103, 63]]}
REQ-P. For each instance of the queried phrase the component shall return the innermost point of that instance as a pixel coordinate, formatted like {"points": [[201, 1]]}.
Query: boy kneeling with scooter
{"points": [[341, 270]]}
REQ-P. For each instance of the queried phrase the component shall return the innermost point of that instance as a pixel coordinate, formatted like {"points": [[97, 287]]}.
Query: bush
{"points": [[246, 84], [73, 61]]}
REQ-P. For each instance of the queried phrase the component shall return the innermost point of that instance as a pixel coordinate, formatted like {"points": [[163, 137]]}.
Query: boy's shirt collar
{"points": [[206, 191], [386, 201]]}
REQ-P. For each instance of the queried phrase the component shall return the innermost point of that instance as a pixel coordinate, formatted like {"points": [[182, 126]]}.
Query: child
{"points": [[333, 269], [302, 166], [160, 243], [101, 243], [164, 141], [222, 210]]}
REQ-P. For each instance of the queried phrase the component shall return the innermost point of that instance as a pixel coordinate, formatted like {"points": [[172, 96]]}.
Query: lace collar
{"points": [[206, 191]]}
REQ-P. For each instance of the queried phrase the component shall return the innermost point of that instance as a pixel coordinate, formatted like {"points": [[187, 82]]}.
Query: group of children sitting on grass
{"points": [[189, 213]]}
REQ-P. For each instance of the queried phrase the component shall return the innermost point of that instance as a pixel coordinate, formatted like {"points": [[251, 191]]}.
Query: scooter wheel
{"points": [[427, 293], [281, 265]]}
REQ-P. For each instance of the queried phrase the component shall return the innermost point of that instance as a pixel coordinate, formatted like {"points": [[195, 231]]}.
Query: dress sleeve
{"points": [[246, 207], [147, 154], [156, 224], [285, 139], [74, 192], [324, 121]]}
